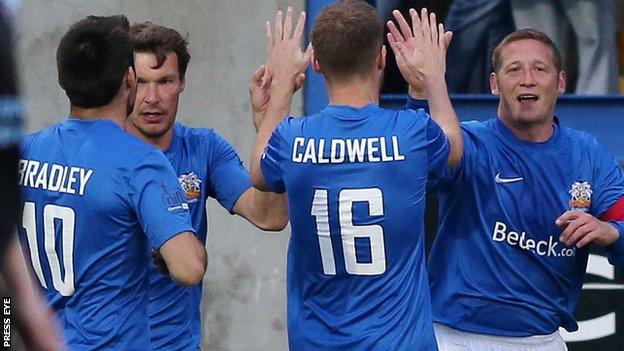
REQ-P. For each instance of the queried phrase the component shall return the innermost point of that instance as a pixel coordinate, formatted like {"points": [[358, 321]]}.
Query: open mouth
{"points": [[527, 97], [151, 115]]}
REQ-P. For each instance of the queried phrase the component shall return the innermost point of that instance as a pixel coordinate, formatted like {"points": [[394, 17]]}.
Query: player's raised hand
{"points": [[286, 61], [260, 92], [419, 50], [581, 228]]}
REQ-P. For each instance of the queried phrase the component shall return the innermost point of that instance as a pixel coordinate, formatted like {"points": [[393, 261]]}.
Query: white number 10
{"points": [[68, 217], [349, 232]]}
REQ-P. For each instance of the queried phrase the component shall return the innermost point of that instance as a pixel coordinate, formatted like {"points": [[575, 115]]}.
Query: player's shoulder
{"points": [[193, 133], [196, 139], [578, 137], [478, 127], [292, 125]]}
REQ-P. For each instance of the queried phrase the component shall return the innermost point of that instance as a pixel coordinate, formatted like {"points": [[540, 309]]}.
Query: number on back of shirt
{"points": [[67, 216], [349, 231]]}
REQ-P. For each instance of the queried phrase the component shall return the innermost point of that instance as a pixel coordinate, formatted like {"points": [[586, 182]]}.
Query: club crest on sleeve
{"points": [[581, 193], [174, 199], [191, 184]]}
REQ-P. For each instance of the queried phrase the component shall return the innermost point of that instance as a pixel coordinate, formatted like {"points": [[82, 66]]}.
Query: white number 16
{"points": [[349, 231]]}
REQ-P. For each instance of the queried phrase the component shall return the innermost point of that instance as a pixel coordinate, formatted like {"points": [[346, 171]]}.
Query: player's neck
{"points": [[356, 93], [161, 142], [110, 112], [537, 132]]}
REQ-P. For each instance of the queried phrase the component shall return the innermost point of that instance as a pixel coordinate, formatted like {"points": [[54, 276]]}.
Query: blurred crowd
{"points": [[589, 33]]}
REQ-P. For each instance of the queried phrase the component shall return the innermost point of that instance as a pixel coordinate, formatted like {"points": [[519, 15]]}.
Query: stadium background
{"points": [[243, 306]]}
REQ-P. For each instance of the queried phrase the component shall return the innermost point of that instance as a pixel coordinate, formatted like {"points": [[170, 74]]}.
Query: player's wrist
{"points": [[417, 92], [613, 234], [282, 85], [434, 83]]}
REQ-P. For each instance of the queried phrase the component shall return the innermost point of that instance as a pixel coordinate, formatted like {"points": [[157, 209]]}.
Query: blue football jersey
{"points": [[497, 266], [93, 195], [355, 179], [207, 166]]}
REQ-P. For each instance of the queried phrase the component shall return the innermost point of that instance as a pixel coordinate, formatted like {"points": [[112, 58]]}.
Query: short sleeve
{"points": [[158, 199], [271, 160], [615, 251], [437, 145], [608, 179], [228, 177], [453, 176]]}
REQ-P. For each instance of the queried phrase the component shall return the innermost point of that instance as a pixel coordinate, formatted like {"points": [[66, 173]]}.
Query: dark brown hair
{"points": [[346, 38], [160, 40], [93, 58], [527, 33]]}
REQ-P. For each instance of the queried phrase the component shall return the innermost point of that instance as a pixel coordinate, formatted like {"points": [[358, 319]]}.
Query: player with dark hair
{"points": [[93, 196], [355, 177], [506, 271], [206, 165]]}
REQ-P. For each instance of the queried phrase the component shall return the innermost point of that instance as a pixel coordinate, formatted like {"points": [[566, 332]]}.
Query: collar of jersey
{"points": [[510, 137], [175, 139], [78, 122], [350, 112]]}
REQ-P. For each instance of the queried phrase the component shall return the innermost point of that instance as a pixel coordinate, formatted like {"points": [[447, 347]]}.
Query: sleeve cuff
{"points": [[414, 104], [615, 251]]}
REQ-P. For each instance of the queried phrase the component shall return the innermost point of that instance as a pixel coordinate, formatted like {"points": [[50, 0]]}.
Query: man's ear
{"points": [[130, 80], [561, 82], [494, 84], [315, 64], [381, 59]]}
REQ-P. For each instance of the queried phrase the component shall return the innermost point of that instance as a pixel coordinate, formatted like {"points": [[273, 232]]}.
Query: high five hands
{"points": [[281, 46], [420, 51]]}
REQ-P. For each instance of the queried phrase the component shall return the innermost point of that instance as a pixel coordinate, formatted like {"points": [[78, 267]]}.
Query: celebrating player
{"points": [[206, 165], [507, 270], [93, 196], [356, 274]]}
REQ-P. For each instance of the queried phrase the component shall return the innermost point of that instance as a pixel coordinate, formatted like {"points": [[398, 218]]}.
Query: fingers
{"points": [[448, 36], [308, 53], [393, 41], [288, 23], [433, 27], [300, 25], [587, 239], [394, 32], [299, 80], [406, 32], [268, 35], [570, 227], [279, 26], [567, 217], [416, 24], [256, 77], [425, 26], [581, 230], [440, 40]]}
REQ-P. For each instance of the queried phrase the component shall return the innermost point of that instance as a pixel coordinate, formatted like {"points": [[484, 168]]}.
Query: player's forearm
{"points": [[442, 112], [186, 258], [270, 211], [278, 108]]}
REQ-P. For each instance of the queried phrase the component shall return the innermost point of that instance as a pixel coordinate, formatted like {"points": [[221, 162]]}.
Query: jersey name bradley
{"points": [[372, 149], [53, 177]]}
